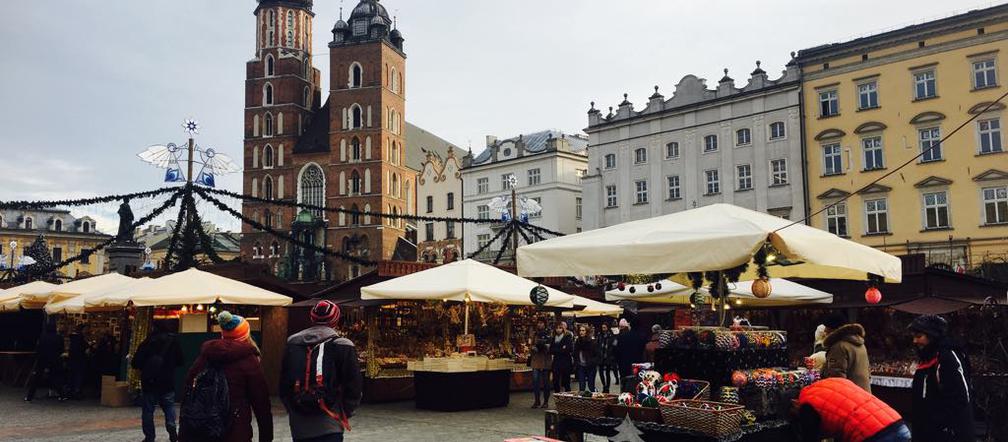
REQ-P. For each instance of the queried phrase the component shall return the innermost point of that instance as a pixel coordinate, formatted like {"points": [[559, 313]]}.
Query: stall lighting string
{"points": [[906, 163]]}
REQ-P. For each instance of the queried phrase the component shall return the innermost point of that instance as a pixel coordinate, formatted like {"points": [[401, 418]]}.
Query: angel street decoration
{"points": [[169, 157], [526, 208]]}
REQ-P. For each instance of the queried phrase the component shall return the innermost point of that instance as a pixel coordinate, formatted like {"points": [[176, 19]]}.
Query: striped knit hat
{"points": [[233, 327], [325, 313]]}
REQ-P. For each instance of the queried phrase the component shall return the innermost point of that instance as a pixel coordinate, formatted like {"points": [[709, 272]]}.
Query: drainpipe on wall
{"points": [[804, 152]]}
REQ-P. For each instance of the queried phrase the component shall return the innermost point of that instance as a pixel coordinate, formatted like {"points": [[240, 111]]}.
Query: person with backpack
{"points": [[48, 363], [941, 408], [320, 382], [157, 358], [225, 386]]}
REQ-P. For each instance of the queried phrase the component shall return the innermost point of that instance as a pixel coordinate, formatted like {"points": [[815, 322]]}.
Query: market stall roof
{"points": [[461, 280], [79, 287], [32, 295], [932, 305], [593, 308], [709, 238], [192, 286], [94, 297], [785, 293]]}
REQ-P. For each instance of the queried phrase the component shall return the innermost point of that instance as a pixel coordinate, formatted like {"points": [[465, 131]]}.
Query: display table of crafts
{"points": [[714, 354], [461, 383], [894, 390], [574, 428]]}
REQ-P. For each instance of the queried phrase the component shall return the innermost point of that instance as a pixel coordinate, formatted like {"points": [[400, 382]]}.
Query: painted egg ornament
{"points": [[739, 379], [761, 288], [873, 295], [621, 286], [626, 399], [668, 390]]}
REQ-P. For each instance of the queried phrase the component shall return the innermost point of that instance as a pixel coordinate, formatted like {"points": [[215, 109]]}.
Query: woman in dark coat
{"points": [[607, 357], [586, 359], [561, 348], [238, 356]]}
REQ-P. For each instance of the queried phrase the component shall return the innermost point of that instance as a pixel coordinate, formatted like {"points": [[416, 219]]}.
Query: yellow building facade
{"points": [[875, 103], [66, 236]]}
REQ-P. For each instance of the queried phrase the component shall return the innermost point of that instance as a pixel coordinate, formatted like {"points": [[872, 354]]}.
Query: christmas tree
{"points": [[627, 432], [39, 251]]}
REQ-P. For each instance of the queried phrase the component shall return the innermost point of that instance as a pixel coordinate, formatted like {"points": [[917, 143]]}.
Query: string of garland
{"points": [[521, 230], [543, 229], [173, 241], [507, 240], [206, 242], [88, 252], [337, 210], [258, 226], [488, 243], [36, 205], [533, 233]]}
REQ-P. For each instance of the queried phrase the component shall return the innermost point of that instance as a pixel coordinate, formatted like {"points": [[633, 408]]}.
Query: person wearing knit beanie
{"points": [[325, 313], [233, 327]]}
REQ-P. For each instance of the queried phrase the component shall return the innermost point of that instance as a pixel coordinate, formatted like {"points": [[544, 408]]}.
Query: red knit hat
{"points": [[325, 313]]}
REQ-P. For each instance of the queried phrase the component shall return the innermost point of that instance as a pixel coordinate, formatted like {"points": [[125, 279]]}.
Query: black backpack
{"points": [[153, 372], [205, 412], [314, 391]]}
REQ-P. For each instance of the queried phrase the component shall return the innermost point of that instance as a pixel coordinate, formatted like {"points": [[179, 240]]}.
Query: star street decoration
{"points": [[170, 157]]}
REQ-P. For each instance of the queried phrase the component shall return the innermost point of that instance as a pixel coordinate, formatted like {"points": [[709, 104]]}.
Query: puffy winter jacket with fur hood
{"points": [[846, 356]]}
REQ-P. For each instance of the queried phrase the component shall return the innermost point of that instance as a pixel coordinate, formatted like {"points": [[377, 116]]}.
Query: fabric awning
{"points": [[710, 238], [931, 306], [593, 308], [784, 293], [32, 295], [74, 289], [192, 286]]}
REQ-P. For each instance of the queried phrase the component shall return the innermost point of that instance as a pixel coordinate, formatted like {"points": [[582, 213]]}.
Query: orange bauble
{"points": [[873, 295], [761, 288]]}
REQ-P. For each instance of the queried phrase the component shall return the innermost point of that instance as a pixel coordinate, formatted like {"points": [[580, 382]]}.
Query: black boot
{"points": [[172, 435]]}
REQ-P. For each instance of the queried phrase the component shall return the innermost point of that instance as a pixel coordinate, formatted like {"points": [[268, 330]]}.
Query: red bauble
{"points": [[873, 295], [621, 286]]}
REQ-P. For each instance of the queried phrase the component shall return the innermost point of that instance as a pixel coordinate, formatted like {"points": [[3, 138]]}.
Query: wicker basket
{"points": [[701, 387], [717, 423], [570, 404], [637, 414]]}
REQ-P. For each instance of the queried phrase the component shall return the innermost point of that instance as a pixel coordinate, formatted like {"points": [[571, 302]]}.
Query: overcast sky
{"points": [[86, 84]]}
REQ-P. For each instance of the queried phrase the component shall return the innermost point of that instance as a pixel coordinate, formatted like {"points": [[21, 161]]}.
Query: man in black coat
{"points": [[942, 408], [48, 362], [562, 350], [629, 349], [157, 358]]}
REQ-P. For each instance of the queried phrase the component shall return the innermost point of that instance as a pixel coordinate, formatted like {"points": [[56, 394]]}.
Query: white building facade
{"points": [[740, 146], [439, 194], [547, 167]]}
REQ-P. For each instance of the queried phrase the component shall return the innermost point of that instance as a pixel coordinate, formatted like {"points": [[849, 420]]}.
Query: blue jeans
{"points": [[895, 434], [540, 383], [167, 403], [586, 377]]}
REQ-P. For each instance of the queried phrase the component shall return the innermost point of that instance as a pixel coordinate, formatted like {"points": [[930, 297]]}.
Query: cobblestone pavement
{"points": [[85, 420]]}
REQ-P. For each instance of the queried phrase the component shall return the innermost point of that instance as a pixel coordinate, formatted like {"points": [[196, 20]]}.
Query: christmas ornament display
{"points": [[739, 378], [626, 399], [761, 288], [539, 295], [729, 395], [873, 295]]}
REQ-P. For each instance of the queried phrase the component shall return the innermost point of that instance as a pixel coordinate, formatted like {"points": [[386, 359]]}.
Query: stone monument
{"points": [[125, 254]]}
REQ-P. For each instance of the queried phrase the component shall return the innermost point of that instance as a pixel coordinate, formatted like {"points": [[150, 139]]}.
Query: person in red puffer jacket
{"points": [[837, 408], [238, 356]]}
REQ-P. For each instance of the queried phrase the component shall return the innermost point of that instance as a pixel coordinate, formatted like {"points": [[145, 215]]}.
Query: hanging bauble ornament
{"points": [[650, 288], [873, 295], [633, 289], [539, 295], [657, 286], [761, 288], [621, 286]]}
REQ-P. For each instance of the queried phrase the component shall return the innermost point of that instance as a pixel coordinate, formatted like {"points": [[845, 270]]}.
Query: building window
{"points": [[610, 161], [832, 164], [610, 192], [829, 104], [640, 155], [85, 256], [312, 188], [713, 182], [268, 125], [29, 223], [395, 81], [877, 216], [936, 210], [580, 173], [290, 29], [268, 218], [482, 185], [355, 183], [533, 177], [307, 98], [356, 75], [359, 27], [984, 74], [641, 191], [672, 150], [873, 158], [450, 229], [430, 203], [274, 249], [930, 144], [836, 219], [355, 216], [743, 137], [995, 202], [778, 172], [777, 130], [57, 254], [429, 232], [270, 66], [990, 136], [924, 85], [506, 181], [710, 143], [451, 200], [356, 117], [483, 211], [267, 159], [268, 188], [482, 240], [85, 226], [355, 149], [673, 188], [58, 225], [577, 207], [744, 174], [867, 95]]}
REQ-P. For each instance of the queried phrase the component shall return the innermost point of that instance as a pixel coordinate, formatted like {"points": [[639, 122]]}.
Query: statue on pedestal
{"points": [[125, 222]]}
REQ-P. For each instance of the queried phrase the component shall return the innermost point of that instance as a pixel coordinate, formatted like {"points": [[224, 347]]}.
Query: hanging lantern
{"points": [[873, 295], [538, 295], [761, 288], [621, 286], [633, 289], [650, 288]]}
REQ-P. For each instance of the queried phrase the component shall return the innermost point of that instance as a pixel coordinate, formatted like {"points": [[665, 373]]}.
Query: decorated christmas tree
{"points": [[39, 251], [627, 432]]}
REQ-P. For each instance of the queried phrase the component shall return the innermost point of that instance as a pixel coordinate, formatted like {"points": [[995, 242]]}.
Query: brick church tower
{"points": [[346, 153]]}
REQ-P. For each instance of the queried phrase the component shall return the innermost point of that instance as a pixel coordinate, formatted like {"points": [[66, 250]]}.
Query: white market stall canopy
{"points": [[462, 280], [79, 303], [710, 238], [593, 308], [32, 295], [785, 293], [192, 286], [79, 287]]}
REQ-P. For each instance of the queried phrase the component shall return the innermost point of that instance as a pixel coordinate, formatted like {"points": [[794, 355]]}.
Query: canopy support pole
{"points": [[466, 316]]}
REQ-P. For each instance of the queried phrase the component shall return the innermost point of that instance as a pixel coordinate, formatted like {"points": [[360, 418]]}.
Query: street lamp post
{"points": [[13, 247]]}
